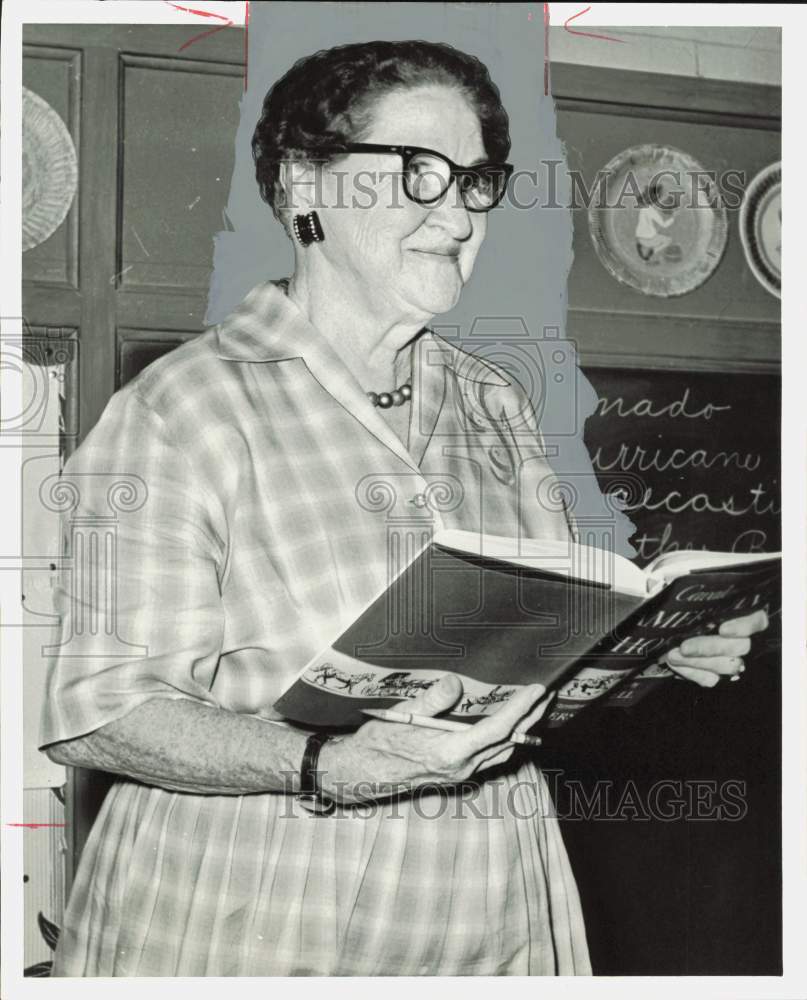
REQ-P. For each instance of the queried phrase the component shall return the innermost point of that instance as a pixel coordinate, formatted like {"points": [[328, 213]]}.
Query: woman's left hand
{"points": [[704, 659]]}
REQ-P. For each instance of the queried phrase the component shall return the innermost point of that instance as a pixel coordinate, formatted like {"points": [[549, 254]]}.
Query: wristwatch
{"points": [[310, 795]]}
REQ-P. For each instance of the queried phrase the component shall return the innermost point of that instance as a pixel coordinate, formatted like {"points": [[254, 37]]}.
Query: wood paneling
{"points": [[98, 178], [688, 343], [50, 306], [226, 45], [688, 95], [177, 147], [139, 105], [139, 348], [162, 310]]}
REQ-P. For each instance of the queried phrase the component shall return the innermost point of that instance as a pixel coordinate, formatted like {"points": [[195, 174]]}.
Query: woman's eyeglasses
{"points": [[427, 176]]}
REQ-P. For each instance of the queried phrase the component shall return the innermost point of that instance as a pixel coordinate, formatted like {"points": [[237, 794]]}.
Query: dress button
{"points": [[419, 500]]}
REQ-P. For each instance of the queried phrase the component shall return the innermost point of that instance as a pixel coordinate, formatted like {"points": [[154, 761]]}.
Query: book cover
{"points": [[764, 593], [499, 626]]}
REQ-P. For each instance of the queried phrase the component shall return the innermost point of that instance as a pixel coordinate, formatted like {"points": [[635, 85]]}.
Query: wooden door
{"points": [[126, 275]]}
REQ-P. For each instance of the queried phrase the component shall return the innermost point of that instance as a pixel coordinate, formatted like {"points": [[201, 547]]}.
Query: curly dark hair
{"points": [[326, 100]]}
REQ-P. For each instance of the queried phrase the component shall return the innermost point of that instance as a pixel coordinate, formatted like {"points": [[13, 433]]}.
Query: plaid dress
{"points": [[242, 500]]}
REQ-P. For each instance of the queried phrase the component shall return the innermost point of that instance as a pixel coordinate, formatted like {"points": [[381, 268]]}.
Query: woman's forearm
{"points": [[189, 747]]}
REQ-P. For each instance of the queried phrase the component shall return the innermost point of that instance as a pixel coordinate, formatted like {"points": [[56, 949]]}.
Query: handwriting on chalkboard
{"points": [[650, 546], [700, 503], [705, 464], [645, 408], [641, 460]]}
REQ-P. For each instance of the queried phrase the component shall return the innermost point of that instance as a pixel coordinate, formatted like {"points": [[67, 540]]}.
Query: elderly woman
{"points": [[260, 537]]}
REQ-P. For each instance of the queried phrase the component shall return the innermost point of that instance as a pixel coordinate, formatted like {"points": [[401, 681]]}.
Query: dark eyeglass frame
{"points": [[456, 172]]}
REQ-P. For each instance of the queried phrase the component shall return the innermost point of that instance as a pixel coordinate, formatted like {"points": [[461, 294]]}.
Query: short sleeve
{"points": [[138, 593]]}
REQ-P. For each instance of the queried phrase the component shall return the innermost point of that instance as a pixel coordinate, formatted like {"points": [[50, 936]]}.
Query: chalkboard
{"points": [[696, 456], [662, 897]]}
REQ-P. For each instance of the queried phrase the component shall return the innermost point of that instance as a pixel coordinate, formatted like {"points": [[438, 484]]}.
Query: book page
{"points": [[674, 564], [582, 562]]}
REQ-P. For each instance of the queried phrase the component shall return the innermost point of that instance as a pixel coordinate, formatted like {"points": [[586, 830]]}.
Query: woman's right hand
{"points": [[386, 758]]}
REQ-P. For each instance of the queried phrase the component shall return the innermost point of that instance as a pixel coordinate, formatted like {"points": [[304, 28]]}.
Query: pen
{"points": [[447, 725]]}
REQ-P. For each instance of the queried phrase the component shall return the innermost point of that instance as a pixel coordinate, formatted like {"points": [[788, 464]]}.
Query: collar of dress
{"points": [[268, 327]]}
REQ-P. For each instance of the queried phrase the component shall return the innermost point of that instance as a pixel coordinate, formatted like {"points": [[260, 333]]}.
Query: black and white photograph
{"points": [[404, 496]]}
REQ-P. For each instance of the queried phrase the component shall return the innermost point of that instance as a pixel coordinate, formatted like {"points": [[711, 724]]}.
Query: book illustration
{"points": [[339, 677], [639, 685], [591, 682], [332, 677], [482, 702]]}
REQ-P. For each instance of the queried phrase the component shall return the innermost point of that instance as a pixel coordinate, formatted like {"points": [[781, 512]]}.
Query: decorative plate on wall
{"points": [[657, 220], [49, 170], [761, 227]]}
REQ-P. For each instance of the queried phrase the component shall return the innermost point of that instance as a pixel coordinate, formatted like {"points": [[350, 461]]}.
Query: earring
{"points": [[308, 229]]}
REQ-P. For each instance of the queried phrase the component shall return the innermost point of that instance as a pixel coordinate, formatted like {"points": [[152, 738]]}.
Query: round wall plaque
{"points": [[761, 227], [49, 170], [657, 220]]}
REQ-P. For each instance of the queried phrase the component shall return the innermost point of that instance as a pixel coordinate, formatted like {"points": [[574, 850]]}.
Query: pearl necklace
{"points": [[395, 398]]}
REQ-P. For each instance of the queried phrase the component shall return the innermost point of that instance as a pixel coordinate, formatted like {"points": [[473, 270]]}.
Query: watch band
{"points": [[310, 794]]}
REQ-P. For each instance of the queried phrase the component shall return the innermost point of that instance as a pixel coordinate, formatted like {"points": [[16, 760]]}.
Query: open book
{"points": [[502, 613]]}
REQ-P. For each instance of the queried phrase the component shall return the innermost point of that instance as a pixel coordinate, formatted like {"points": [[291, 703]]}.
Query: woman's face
{"points": [[404, 257]]}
